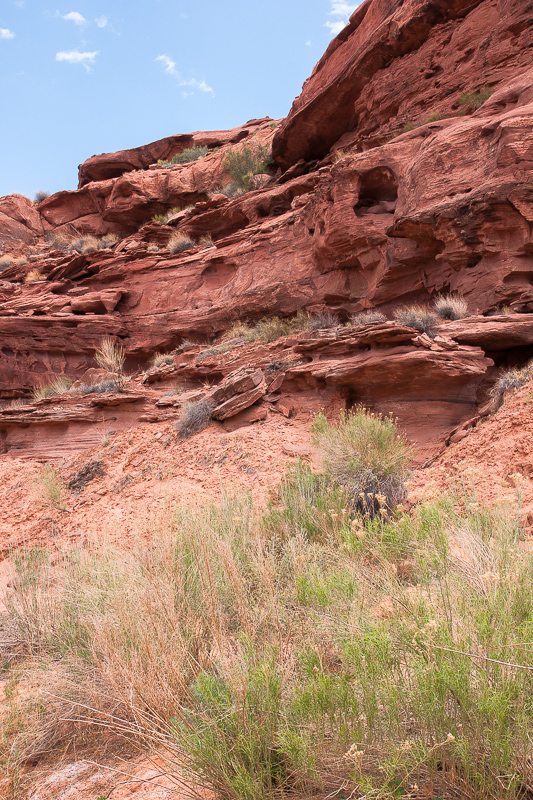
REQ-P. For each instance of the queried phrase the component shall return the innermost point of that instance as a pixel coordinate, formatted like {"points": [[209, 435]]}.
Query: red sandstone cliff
{"points": [[358, 212]]}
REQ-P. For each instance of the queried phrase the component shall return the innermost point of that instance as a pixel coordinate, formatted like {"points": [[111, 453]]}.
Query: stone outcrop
{"points": [[357, 212]]}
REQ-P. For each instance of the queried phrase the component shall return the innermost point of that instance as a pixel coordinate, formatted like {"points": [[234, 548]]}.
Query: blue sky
{"points": [[79, 77]]}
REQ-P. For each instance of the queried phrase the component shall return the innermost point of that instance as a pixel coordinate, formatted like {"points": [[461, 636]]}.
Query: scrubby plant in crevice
{"points": [[160, 360], [370, 317], [472, 100], [246, 162], [111, 356], [421, 318], [451, 306], [179, 243], [510, 380], [33, 276], [194, 417], [58, 385], [322, 320]]}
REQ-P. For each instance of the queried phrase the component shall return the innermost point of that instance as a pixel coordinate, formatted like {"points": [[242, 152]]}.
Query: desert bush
{"points": [[211, 352], [110, 356], [193, 418], [186, 345], [190, 154], [370, 317], [451, 306], [39, 197], [322, 320], [179, 243], [474, 99], [263, 662], [87, 244], [365, 454], [510, 380], [103, 387], [206, 241], [33, 276], [159, 359], [58, 385], [420, 318], [244, 163]]}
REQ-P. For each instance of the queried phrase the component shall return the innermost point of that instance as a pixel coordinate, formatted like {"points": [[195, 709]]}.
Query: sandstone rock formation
{"points": [[356, 213]]}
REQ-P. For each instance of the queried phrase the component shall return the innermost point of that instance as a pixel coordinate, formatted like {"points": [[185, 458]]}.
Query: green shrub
{"points": [[451, 306], [244, 163], [367, 318], [194, 417], [189, 154], [366, 454], [420, 318], [474, 99]]}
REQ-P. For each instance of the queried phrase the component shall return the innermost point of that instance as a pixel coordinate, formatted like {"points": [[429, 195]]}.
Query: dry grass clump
{"points": [[510, 380], [194, 417], [51, 486], [420, 318], [6, 261], [160, 359], [86, 244], [110, 356], [322, 320], [33, 276], [451, 306], [262, 660], [58, 385], [179, 243], [370, 317], [104, 387], [270, 329]]}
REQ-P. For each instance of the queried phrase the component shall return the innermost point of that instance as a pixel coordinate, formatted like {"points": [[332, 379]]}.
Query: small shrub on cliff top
{"points": [[451, 306], [179, 243], [246, 162], [370, 317], [39, 197], [420, 318], [194, 417], [110, 356], [189, 154]]}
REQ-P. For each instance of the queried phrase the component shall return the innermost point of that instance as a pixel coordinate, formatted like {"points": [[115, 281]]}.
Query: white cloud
{"points": [[335, 27], [341, 10], [75, 57], [102, 22], [170, 67], [308, 43], [5, 33], [74, 16]]}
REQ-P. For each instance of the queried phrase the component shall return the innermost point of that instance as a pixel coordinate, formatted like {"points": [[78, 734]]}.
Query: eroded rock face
{"points": [[20, 222], [398, 217], [399, 62]]}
